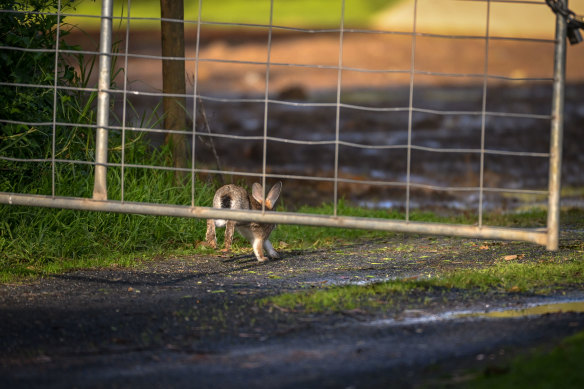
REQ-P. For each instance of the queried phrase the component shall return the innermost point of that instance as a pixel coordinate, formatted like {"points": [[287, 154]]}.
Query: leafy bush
{"points": [[28, 106]]}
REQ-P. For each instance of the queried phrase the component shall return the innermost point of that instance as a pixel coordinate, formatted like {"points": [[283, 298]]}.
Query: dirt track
{"points": [[172, 322]]}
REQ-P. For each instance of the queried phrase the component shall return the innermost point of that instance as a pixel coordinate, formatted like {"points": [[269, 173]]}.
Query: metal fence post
{"points": [[105, 45], [557, 127]]}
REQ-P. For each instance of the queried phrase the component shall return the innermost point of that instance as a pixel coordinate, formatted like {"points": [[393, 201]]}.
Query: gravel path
{"points": [[170, 322]]}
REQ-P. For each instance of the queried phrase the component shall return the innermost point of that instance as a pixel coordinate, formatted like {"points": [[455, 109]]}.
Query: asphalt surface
{"points": [[196, 321]]}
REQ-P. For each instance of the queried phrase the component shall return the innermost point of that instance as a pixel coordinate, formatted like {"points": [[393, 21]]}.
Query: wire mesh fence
{"points": [[391, 124]]}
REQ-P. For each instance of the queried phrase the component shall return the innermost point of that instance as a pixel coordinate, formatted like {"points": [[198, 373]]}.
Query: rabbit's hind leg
{"points": [[210, 237], [229, 230]]}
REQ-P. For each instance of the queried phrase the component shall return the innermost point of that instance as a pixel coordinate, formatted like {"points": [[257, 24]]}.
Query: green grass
{"points": [[345, 298], [538, 277], [560, 368], [39, 241], [297, 13], [542, 276], [304, 237]]}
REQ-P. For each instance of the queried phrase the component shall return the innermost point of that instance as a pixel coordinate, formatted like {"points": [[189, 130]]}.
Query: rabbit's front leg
{"points": [[258, 249], [270, 249]]}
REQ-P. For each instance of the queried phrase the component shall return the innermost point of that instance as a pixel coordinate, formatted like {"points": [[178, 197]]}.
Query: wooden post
{"points": [[173, 80]]}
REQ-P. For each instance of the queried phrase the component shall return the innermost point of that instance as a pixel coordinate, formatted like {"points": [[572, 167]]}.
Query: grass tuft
{"points": [[502, 277]]}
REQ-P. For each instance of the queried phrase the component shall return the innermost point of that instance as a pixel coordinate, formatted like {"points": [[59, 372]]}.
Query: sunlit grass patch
{"points": [[344, 298], [501, 278], [305, 237], [519, 277], [37, 241]]}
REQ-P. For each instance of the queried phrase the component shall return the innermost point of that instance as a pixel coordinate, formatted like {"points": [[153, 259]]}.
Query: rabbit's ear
{"points": [[274, 195], [257, 192]]}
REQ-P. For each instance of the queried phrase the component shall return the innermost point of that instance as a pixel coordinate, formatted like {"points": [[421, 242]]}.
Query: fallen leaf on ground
{"points": [[279, 308]]}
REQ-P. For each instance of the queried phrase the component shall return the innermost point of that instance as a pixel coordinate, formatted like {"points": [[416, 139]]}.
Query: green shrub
{"points": [[28, 107]]}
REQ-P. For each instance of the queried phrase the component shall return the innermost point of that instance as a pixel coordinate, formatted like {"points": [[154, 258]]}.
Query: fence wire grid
{"points": [[341, 107]]}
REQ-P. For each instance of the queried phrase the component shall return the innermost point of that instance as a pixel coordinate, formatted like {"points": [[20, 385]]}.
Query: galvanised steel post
{"points": [[557, 128], [105, 45]]}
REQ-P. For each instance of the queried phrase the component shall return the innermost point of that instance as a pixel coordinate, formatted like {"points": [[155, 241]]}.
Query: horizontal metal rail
{"points": [[538, 236]]}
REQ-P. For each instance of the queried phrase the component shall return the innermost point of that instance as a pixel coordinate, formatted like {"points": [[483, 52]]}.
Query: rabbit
{"points": [[236, 197]]}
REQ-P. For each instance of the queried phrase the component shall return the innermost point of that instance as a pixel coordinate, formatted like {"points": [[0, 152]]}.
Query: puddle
{"points": [[416, 316], [347, 280], [572, 306]]}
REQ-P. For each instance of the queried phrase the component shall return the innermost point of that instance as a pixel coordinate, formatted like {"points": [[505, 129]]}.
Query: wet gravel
{"points": [[173, 322]]}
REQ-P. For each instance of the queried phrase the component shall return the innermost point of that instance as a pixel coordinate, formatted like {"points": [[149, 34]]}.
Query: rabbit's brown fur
{"points": [[236, 197]]}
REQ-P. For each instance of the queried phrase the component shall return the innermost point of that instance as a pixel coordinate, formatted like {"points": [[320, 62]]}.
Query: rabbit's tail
{"points": [[220, 223], [230, 197], [225, 201]]}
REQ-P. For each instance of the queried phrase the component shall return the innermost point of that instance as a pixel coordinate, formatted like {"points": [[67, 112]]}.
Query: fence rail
{"points": [[547, 236], [538, 236]]}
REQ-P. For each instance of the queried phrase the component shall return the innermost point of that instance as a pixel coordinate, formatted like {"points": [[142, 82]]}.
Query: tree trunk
{"points": [[173, 81]]}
